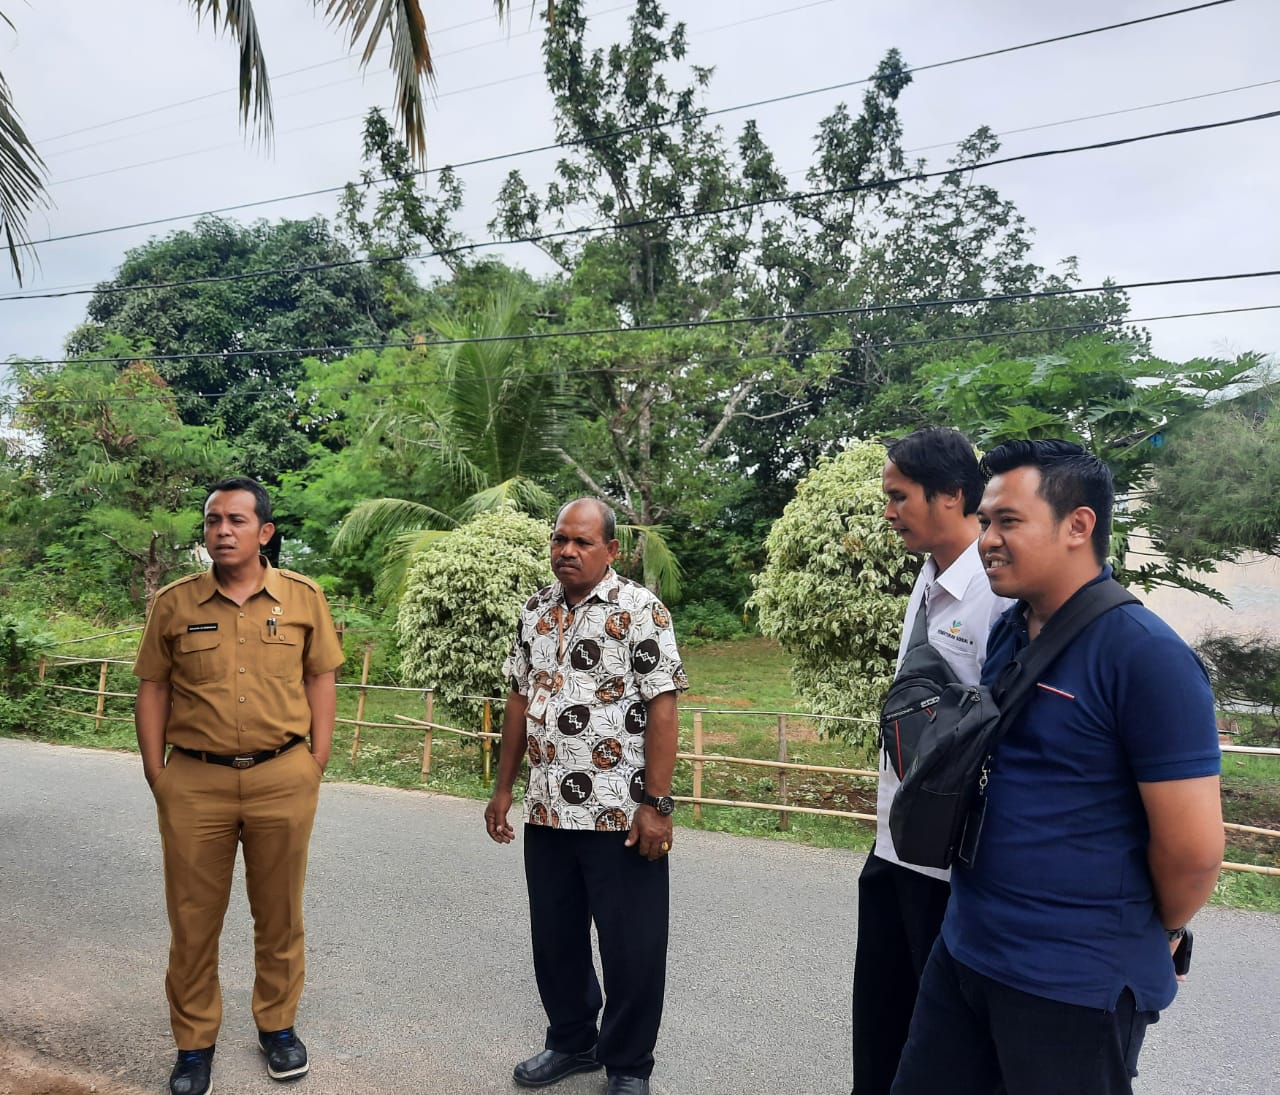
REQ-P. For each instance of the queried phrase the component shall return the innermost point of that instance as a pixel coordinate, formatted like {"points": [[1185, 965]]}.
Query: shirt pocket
{"points": [[198, 656], [280, 652]]}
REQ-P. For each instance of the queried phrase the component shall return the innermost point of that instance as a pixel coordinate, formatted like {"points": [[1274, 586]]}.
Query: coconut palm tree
{"points": [[492, 424], [496, 423], [23, 173]]}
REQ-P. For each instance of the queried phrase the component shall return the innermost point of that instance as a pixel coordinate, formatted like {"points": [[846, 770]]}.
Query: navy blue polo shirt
{"points": [[1059, 902]]}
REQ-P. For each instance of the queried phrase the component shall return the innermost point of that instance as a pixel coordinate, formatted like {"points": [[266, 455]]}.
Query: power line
{"points": [[648, 222], [53, 185], [89, 286], [280, 133], [671, 325], [1103, 114], [634, 129], [640, 367], [285, 75], [530, 75]]}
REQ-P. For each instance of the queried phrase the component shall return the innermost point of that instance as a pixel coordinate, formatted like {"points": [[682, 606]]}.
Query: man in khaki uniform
{"points": [[237, 667]]}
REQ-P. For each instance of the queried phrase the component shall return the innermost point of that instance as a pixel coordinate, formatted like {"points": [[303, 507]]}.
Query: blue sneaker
{"points": [[192, 1074], [286, 1055]]}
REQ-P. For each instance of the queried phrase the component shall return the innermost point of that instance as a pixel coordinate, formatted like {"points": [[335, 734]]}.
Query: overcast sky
{"points": [[133, 108]]}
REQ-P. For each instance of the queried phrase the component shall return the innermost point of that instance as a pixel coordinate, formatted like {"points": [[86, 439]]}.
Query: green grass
{"points": [[740, 678]]}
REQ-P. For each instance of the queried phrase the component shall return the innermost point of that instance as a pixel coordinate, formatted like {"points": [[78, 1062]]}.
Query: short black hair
{"points": [[261, 500], [608, 519], [1070, 477], [942, 460]]}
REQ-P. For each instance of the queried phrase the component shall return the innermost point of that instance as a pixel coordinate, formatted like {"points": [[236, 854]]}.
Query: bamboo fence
{"points": [[698, 758]]}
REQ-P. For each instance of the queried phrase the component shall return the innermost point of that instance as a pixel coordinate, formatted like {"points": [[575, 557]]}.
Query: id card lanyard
{"points": [[538, 705]]}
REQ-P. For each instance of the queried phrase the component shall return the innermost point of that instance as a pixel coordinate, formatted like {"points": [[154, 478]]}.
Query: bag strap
{"points": [[1060, 631], [920, 627]]}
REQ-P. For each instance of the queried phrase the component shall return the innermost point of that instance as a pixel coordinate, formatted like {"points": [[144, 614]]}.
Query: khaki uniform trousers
{"points": [[204, 811]]}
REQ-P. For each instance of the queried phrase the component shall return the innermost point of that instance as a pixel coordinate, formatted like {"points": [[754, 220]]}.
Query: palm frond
{"points": [[519, 493], [410, 55], [504, 6], [648, 544], [402, 551], [506, 406], [379, 516], [22, 176], [255, 86]]}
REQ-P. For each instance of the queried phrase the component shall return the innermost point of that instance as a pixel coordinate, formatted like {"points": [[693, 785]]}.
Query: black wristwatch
{"points": [[664, 804]]}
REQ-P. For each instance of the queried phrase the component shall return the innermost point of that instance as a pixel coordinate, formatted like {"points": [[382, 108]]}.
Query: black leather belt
{"points": [[243, 760]]}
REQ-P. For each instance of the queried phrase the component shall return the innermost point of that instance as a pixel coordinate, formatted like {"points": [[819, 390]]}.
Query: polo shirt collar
{"points": [[1019, 611], [207, 584]]}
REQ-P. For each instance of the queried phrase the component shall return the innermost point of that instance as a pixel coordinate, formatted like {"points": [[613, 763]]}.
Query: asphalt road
{"points": [[419, 979]]}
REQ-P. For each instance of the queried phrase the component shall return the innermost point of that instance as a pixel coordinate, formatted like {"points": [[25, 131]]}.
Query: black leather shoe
{"points": [[551, 1066], [193, 1072], [628, 1085], [286, 1055]]}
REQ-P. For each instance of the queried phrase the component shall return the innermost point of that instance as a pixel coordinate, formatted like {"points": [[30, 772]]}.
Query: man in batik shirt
{"points": [[594, 675]]}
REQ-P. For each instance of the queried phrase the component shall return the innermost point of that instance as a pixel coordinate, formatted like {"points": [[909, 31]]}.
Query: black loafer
{"points": [[193, 1072], [628, 1085], [551, 1066]]}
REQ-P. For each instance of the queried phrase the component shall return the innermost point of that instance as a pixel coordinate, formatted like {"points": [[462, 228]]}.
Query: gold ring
{"points": [[664, 847]]}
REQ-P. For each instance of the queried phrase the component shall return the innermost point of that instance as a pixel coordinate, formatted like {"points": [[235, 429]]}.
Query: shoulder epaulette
{"points": [[180, 582], [293, 575]]}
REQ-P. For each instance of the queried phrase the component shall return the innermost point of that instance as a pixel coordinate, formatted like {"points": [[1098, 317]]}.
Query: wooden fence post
{"points": [[43, 664], [697, 764], [784, 818], [102, 697], [426, 736], [364, 679], [486, 744]]}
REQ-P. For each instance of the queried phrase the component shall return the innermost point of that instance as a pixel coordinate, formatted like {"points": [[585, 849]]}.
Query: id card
{"points": [[538, 705]]}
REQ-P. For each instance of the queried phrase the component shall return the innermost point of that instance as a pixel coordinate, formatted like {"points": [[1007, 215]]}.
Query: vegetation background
{"points": [[712, 334]]}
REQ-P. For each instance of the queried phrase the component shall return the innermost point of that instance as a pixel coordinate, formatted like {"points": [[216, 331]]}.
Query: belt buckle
{"points": [[243, 761]]}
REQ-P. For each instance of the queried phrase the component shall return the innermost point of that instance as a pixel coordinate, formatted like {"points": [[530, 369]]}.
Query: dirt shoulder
{"points": [[25, 1073]]}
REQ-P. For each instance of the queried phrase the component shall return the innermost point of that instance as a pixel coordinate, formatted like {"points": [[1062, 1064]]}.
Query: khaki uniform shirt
{"points": [[236, 671]]}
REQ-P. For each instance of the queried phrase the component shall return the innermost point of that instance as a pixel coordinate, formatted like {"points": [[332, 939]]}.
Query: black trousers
{"points": [[971, 1034], [899, 916], [575, 878]]}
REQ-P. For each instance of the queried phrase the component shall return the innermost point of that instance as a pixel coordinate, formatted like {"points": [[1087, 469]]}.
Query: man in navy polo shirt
{"points": [[1103, 826]]}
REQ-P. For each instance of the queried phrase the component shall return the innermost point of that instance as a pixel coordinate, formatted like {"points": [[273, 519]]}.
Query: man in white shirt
{"points": [[933, 486]]}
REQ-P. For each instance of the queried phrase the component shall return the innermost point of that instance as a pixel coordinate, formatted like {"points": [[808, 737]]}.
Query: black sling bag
{"points": [[936, 813], [914, 695]]}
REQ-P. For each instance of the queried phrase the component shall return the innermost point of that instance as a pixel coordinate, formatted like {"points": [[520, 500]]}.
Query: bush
{"points": [[462, 599], [707, 621], [1245, 673], [833, 589]]}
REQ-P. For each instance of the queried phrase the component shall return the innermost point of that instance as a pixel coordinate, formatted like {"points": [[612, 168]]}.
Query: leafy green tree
{"points": [[464, 593], [113, 478], [218, 336], [487, 425], [711, 427], [834, 587], [1214, 496], [1111, 397]]}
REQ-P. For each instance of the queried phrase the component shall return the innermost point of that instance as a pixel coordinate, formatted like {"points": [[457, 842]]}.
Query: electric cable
{"points": [[667, 218], [672, 325], [628, 130], [639, 367]]}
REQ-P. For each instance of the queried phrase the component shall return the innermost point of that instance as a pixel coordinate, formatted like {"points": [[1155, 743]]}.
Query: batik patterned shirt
{"points": [[601, 661]]}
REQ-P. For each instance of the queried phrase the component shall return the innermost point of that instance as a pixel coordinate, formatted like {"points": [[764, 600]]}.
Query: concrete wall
{"points": [[1252, 586]]}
